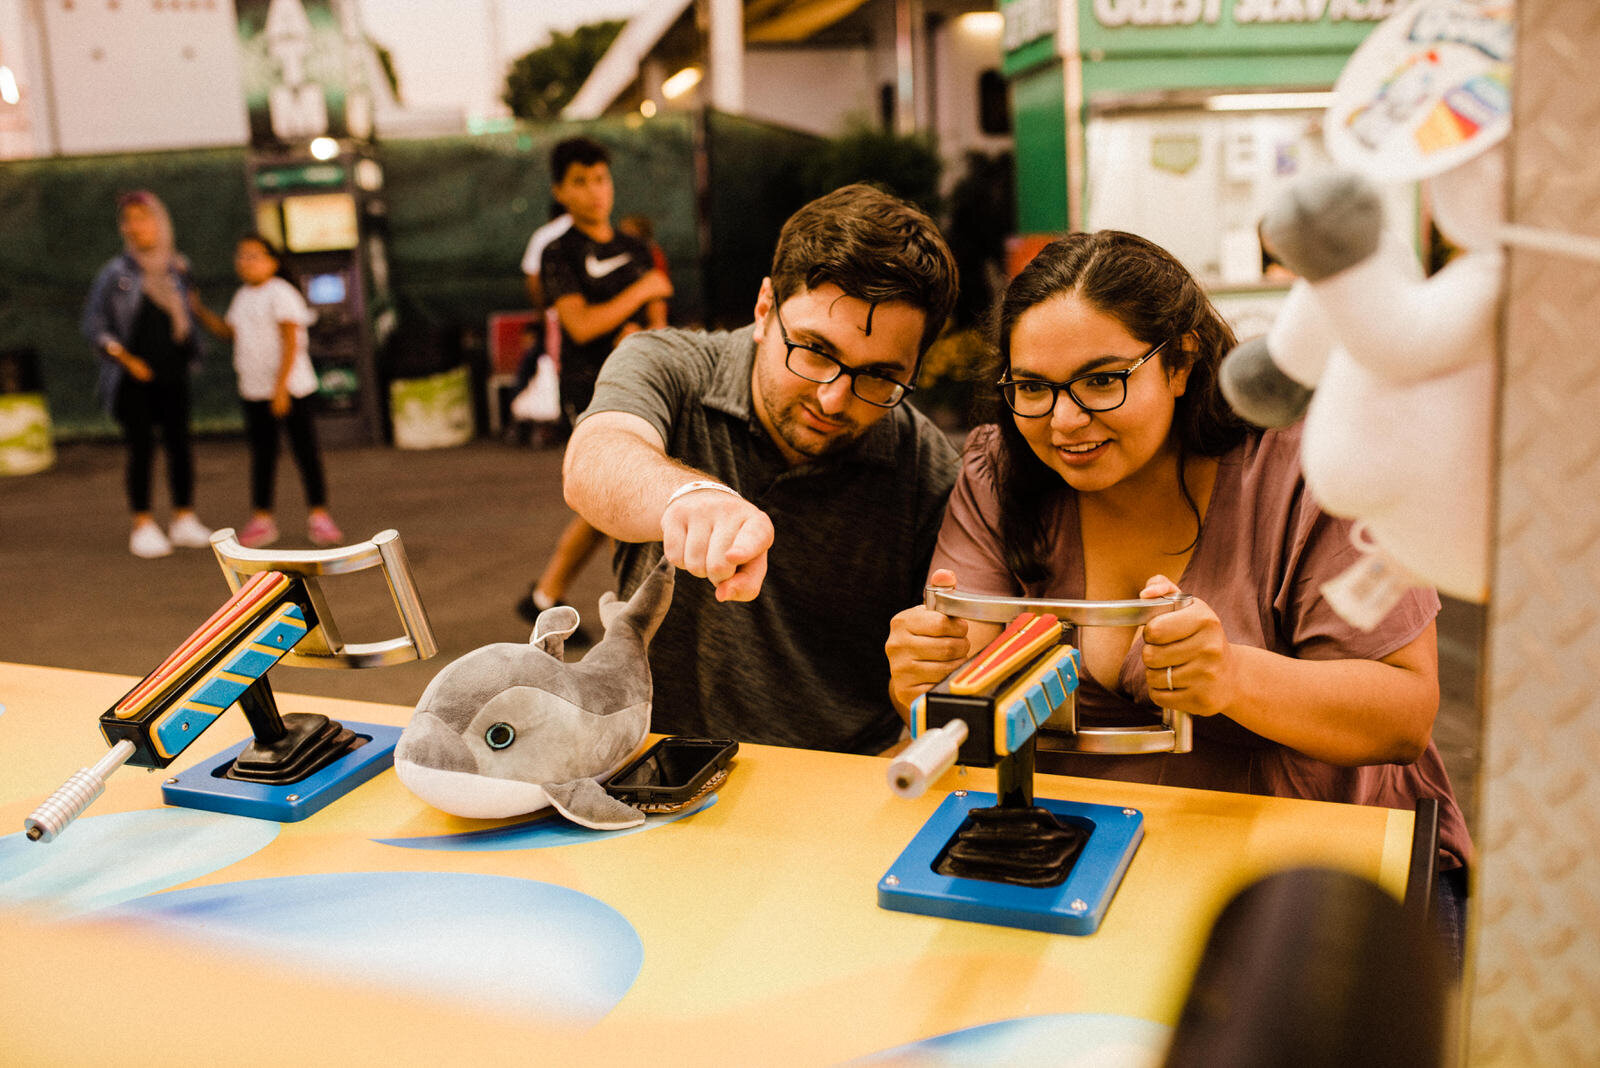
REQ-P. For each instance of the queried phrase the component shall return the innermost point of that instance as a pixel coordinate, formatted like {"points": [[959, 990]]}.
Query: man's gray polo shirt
{"points": [[803, 664]]}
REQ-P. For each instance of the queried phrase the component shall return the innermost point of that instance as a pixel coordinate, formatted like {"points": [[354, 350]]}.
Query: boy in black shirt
{"points": [[603, 285]]}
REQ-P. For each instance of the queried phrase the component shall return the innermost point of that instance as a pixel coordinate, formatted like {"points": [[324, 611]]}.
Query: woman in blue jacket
{"points": [[138, 318]]}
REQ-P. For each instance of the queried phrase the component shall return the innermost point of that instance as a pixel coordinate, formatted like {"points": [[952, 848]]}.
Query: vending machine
{"points": [[327, 217], [316, 191]]}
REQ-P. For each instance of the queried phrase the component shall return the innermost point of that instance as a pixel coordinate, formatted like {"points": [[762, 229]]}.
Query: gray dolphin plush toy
{"points": [[509, 729]]}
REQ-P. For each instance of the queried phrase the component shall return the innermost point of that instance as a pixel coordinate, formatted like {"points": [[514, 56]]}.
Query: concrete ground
{"points": [[477, 523]]}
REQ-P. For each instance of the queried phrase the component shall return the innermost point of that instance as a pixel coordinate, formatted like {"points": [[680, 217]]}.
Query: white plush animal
{"points": [[1394, 371]]}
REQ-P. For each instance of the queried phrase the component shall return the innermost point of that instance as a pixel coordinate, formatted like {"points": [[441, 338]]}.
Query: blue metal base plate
{"points": [[203, 786], [1075, 907]]}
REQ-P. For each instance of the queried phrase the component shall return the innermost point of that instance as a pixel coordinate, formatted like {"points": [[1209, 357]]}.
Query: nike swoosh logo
{"points": [[601, 268]]}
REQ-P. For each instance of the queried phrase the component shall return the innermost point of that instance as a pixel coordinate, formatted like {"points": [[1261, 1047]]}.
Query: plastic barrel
{"points": [[432, 412], [26, 442]]}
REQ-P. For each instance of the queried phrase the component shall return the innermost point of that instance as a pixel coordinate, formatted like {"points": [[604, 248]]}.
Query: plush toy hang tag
{"points": [[1370, 588], [553, 627], [1427, 90]]}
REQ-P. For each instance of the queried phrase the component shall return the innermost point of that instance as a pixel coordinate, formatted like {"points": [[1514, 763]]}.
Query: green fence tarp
{"points": [[58, 218], [460, 211]]}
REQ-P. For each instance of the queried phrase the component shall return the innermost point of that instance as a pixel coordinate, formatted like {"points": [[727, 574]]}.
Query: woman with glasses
{"points": [[1114, 469]]}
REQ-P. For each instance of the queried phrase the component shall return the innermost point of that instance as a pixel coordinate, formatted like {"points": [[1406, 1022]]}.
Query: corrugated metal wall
{"points": [[1535, 993]]}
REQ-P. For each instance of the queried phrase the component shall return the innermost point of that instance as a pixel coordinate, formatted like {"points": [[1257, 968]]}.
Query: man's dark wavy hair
{"points": [[874, 246], [1156, 299]]}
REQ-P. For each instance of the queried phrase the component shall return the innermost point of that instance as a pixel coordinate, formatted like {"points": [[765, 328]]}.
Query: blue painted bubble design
{"points": [[545, 832], [102, 861], [532, 949], [1100, 1039]]}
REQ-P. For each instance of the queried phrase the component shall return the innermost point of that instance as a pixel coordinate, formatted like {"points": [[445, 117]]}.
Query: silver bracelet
{"points": [[699, 484]]}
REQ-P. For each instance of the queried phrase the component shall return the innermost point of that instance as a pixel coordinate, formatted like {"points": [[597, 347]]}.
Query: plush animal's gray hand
{"points": [[509, 729], [1319, 226]]}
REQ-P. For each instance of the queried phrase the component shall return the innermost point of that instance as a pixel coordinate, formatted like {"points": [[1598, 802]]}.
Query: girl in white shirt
{"points": [[266, 321]]}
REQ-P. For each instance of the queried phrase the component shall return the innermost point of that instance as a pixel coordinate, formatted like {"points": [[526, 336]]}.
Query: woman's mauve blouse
{"points": [[1265, 548]]}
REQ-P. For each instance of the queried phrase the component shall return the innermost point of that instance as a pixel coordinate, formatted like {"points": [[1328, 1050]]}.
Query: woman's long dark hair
{"points": [[1156, 299]]}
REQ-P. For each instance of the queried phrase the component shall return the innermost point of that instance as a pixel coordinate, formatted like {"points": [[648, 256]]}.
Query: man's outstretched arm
{"points": [[617, 475]]}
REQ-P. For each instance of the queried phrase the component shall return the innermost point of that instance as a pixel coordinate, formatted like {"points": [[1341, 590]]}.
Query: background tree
{"points": [[542, 82], [907, 165], [983, 211]]}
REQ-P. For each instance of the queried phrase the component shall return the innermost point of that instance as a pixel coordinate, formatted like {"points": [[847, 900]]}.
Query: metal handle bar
{"points": [[324, 647], [991, 608]]}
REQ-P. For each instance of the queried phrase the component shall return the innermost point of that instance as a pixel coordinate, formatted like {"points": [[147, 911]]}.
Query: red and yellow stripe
{"points": [[224, 625], [1025, 637]]}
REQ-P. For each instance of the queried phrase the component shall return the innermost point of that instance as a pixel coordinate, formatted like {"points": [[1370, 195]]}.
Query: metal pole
{"points": [[726, 56], [905, 105], [47, 81]]}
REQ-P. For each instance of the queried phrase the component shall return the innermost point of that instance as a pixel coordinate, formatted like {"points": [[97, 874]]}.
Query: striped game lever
{"points": [[1017, 702], [205, 675], [277, 613], [988, 709], [170, 707]]}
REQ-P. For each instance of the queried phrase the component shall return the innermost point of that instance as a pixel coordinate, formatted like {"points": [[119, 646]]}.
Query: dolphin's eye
{"points": [[499, 735]]}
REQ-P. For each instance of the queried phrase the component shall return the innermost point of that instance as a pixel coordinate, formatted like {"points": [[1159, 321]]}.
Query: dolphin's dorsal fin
{"points": [[610, 608]]}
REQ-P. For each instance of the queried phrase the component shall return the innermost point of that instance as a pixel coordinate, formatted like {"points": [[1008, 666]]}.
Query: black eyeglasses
{"points": [[819, 367], [1097, 391]]}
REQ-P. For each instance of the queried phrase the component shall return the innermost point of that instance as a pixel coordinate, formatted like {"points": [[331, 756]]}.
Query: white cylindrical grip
{"points": [[75, 795], [925, 759]]}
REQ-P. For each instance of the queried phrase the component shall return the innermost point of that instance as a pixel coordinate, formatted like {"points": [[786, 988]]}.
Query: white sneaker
{"points": [[148, 541], [189, 532]]}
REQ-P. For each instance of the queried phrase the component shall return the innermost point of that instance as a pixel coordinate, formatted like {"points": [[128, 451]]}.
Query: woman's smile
{"points": [[1081, 454]]}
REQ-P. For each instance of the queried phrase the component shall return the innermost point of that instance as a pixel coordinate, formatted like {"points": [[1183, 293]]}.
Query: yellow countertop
{"points": [[757, 916]]}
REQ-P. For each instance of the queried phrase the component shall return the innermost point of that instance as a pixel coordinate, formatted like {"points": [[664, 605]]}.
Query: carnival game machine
{"points": [[317, 192], [327, 218]]}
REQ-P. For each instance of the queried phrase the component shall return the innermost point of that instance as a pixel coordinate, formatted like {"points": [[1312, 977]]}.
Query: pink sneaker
{"points": [[323, 531], [258, 532]]}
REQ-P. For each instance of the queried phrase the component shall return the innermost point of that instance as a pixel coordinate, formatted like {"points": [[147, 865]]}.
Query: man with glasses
{"points": [[779, 467]]}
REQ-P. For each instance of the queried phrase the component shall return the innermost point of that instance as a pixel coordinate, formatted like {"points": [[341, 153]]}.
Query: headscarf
{"points": [[161, 264]]}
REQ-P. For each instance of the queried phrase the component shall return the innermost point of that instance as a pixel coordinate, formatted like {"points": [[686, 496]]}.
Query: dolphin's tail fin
{"points": [[642, 613]]}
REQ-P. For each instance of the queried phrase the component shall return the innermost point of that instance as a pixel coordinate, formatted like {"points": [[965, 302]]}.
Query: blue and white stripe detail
{"points": [[1027, 712], [214, 694]]}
